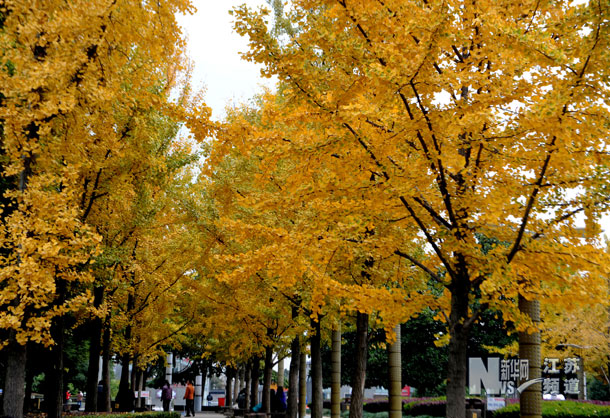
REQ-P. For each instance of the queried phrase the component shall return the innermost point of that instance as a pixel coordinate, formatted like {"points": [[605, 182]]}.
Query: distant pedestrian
{"points": [[189, 396], [241, 399], [280, 400], [272, 400], [166, 395], [79, 398], [67, 401], [101, 402]]}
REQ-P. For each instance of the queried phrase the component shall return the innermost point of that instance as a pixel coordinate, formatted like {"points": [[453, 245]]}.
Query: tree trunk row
{"points": [[131, 383]]}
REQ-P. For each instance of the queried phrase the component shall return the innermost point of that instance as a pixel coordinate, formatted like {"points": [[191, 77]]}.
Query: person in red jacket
{"points": [[189, 395]]}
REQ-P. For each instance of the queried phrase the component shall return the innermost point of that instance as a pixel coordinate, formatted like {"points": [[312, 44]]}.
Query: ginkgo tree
{"points": [[132, 213], [582, 332], [72, 77], [153, 274], [241, 272], [474, 119], [322, 267]]}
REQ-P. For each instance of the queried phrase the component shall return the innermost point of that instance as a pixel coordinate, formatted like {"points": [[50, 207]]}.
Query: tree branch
{"points": [[428, 237], [419, 264]]}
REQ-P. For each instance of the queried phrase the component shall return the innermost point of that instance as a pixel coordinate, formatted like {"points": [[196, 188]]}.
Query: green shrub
{"points": [[559, 409], [598, 390], [417, 416], [345, 414], [375, 415], [376, 406], [432, 407]]}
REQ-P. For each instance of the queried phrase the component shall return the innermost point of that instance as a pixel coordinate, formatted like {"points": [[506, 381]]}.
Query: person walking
{"points": [[166, 395], [189, 396], [241, 399], [79, 399], [280, 400]]}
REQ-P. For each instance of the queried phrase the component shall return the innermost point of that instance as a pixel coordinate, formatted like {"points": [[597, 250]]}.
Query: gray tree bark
{"points": [[14, 379], [302, 385], [280, 372], [293, 379], [359, 377], [139, 388], [458, 343], [316, 371], [54, 379], [254, 382], [95, 347], [29, 381], [395, 387], [106, 402], [529, 348], [248, 381], [236, 384], [230, 373], [335, 389], [267, 380]]}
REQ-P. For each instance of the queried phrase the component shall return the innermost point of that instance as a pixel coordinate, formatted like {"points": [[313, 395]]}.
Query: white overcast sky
{"points": [[214, 48]]}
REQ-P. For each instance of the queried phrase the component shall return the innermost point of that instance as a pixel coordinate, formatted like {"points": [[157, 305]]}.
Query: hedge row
{"points": [[435, 407], [345, 414], [376, 406], [560, 409]]}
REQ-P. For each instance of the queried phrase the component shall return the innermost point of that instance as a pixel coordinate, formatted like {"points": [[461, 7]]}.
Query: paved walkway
{"points": [[207, 414]]}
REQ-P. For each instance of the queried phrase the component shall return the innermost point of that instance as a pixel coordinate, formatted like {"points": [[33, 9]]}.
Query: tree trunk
{"points": [[293, 379], [267, 380], [106, 402], [359, 377], [125, 395], [54, 379], [280, 372], [29, 380], [248, 382], [13, 397], [395, 387], [95, 347], [139, 388], [529, 348], [316, 371], [230, 372], [458, 343], [335, 389], [236, 385], [122, 398], [134, 373], [302, 385], [198, 392], [204, 377], [254, 382]]}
